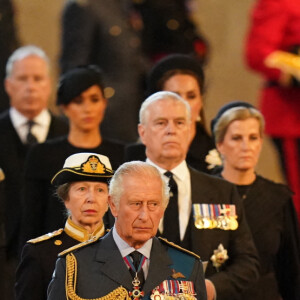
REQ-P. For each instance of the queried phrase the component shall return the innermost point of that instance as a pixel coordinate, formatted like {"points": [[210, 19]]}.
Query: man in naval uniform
{"points": [[204, 214], [84, 192], [130, 260]]}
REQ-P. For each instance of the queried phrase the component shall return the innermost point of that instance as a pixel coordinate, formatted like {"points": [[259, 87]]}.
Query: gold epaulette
{"points": [[46, 236], [178, 247], [80, 245]]}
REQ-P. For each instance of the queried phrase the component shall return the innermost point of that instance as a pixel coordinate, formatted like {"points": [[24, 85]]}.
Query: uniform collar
{"points": [[81, 234]]}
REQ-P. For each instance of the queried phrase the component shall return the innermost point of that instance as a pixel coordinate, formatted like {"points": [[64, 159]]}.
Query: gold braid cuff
{"points": [[119, 293]]}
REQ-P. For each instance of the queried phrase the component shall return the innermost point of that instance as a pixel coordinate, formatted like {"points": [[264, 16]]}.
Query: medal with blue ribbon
{"points": [[136, 292]]}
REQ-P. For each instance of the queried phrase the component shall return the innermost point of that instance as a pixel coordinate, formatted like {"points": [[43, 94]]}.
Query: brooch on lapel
{"points": [[219, 257]]}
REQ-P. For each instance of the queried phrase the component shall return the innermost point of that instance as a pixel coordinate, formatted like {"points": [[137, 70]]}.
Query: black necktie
{"points": [[136, 258], [30, 138], [171, 216]]}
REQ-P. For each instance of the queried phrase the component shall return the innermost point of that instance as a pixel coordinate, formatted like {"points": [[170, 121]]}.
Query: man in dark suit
{"points": [[130, 259], [208, 217], [27, 121]]}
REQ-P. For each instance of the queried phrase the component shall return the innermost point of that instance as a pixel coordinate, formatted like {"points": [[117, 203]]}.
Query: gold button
{"points": [[173, 24], [57, 242], [109, 92], [115, 30]]}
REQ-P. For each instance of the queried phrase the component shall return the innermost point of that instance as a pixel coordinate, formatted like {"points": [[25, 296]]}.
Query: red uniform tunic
{"points": [[275, 25]]}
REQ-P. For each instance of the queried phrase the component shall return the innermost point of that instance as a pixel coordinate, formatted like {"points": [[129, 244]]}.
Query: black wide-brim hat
{"points": [[173, 62], [84, 167], [77, 80]]}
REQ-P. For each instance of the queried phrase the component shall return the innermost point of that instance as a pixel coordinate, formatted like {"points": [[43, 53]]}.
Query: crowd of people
{"points": [[115, 197]]}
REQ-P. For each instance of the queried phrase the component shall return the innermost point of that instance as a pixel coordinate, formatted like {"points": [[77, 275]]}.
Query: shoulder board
{"points": [[45, 237], [171, 244], [78, 246]]}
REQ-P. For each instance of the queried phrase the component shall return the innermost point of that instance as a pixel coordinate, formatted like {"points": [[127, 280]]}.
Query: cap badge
{"points": [[93, 165]]}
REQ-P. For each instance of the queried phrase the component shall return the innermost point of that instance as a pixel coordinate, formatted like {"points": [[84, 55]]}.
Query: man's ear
{"points": [[112, 206], [141, 131], [7, 86]]}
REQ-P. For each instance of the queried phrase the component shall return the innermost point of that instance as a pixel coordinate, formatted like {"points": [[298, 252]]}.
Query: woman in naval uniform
{"points": [[238, 129], [82, 185]]}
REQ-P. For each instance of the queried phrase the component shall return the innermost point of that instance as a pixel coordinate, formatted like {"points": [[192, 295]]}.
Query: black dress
{"points": [[42, 210], [272, 220]]}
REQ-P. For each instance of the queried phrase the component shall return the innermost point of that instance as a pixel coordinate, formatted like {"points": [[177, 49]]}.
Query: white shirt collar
{"points": [[43, 118], [17, 118], [40, 128], [180, 171]]}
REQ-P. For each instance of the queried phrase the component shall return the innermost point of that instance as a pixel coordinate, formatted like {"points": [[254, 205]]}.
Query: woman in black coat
{"points": [[238, 129]]}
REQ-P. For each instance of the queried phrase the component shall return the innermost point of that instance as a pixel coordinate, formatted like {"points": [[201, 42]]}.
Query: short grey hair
{"points": [[233, 114], [22, 53], [164, 95], [138, 168]]}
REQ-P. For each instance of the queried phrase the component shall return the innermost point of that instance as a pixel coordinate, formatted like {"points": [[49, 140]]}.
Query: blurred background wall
{"points": [[224, 24]]}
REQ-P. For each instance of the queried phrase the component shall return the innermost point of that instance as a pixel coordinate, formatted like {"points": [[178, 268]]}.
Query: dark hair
{"points": [[171, 65]]}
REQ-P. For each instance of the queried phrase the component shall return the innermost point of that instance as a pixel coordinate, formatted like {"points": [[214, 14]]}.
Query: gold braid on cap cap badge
{"points": [[119, 293]]}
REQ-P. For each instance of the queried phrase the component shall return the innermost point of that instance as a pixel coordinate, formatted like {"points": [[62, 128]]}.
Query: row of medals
{"points": [[220, 222], [159, 296]]}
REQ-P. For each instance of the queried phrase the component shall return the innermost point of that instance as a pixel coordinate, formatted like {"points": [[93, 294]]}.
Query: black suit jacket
{"points": [[241, 269], [101, 269], [12, 158]]}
